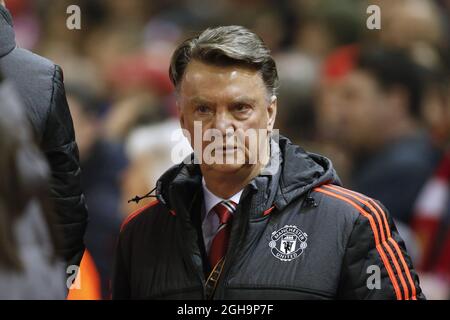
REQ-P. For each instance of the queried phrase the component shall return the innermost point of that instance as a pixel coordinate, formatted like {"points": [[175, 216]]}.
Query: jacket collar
{"points": [[7, 38], [291, 173], [301, 172]]}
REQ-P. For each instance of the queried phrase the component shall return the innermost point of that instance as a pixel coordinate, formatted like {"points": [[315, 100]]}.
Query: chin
{"points": [[226, 168]]}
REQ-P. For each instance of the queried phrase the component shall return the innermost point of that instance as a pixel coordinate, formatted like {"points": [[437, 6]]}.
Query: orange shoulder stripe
{"points": [[402, 258], [390, 239], [360, 198], [137, 212], [375, 234]]}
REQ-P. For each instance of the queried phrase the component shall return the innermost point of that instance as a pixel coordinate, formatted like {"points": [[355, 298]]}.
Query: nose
{"points": [[224, 123]]}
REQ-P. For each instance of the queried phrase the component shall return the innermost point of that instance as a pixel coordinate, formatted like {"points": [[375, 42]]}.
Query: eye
{"points": [[203, 109], [242, 107]]}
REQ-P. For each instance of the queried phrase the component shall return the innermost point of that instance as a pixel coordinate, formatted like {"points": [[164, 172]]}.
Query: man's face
{"points": [[362, 108], [230, 103]]}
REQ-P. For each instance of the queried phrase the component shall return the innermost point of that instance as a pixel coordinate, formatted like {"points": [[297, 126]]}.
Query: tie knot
{"points": [[224, 210]]}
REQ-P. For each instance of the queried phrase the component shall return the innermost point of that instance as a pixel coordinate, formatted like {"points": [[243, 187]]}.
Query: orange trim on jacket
{"points": [[361, 198], [376, 237], [88, 281], [137, 212]]}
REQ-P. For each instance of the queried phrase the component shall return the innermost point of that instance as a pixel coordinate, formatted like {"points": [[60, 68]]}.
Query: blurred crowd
{"points": [[377, 102]]}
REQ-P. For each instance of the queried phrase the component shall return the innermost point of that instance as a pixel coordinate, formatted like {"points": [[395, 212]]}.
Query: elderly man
{"points": [[250, 215]]}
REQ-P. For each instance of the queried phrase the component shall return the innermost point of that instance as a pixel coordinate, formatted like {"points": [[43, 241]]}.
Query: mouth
{"points": [[227, 149]]}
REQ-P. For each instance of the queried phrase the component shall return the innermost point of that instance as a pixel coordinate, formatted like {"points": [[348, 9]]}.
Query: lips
{"points": [[228, 150]]}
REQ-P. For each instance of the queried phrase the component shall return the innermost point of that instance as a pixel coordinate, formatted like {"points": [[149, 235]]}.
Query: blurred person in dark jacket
{"points": [[39, 83], [29, 266], [102, 163], [379, 98]]}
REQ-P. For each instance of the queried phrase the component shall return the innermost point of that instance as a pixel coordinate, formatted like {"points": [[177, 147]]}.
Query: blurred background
{"points": [[377, 102]]}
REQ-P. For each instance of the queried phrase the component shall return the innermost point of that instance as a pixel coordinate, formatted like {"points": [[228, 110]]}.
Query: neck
{"points": [[401, 129], [391, 133]]}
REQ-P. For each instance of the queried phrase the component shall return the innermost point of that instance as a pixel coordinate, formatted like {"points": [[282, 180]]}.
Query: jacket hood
{"points": [[7, 38], [291, 173], [301, 171]]}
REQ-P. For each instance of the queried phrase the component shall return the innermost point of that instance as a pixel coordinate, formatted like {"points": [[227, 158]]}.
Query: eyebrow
{"points": [[239, 99], [199, 100], [244, 99]]}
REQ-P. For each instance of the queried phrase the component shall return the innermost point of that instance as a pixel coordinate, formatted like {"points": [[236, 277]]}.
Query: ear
{"points": [[181, 118], [272, 113], [180, 113]]}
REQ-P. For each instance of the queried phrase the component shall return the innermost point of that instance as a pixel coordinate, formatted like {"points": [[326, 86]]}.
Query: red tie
{"points": [[219, 245]]}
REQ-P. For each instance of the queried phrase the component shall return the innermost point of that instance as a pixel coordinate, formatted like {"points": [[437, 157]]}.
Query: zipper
{"points": [[232, 250], [187, 250], [188, 256]]}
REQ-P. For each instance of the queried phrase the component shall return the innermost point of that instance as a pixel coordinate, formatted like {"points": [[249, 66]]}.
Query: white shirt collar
{"points": [[211, 199]]}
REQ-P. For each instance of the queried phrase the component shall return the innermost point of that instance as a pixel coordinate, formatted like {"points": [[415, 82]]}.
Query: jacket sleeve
{"points": [[376, 264], [61, 151]]}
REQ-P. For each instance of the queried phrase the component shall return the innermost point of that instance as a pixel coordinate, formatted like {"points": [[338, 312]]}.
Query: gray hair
{"points": [[224, 46]]}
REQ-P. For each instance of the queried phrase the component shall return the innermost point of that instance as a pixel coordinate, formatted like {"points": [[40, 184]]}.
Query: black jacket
{"points": [[39, 83], [295, 235], [33, 239]]}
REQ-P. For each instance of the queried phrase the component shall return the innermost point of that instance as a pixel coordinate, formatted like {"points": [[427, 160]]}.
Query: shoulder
{"points": [[358, 207], [145, 215], [24, 61], [34, 78], [355, 203]]}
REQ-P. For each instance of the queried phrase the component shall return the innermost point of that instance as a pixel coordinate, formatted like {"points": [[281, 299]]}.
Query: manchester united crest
{"points": [[288, 243]]}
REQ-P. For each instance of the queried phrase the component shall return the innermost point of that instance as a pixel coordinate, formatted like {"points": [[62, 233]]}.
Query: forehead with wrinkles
{"points": [[217, 83]]}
